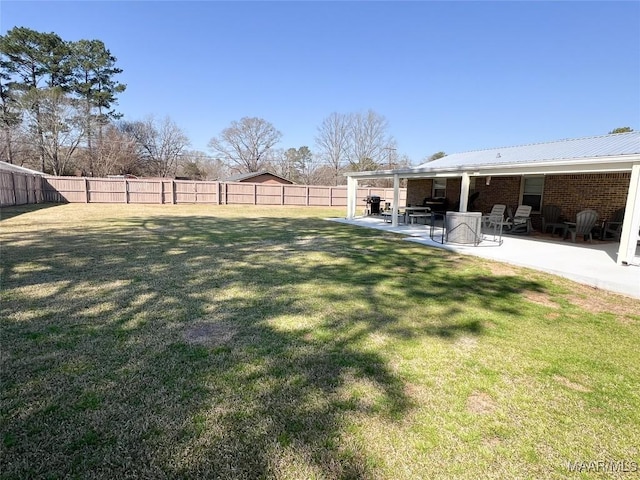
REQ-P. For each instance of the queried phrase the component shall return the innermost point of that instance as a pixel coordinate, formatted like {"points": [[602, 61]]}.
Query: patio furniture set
{"points": [[585, 225], [586, 222]]}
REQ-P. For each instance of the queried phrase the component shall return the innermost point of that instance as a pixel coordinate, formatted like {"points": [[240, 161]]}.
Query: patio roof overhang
{"points": [[622, 163]]}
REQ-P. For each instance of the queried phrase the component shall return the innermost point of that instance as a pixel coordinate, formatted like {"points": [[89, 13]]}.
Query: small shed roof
{"points": [[247, 176]]}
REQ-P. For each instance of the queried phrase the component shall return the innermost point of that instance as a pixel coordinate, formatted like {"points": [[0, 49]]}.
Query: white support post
{"points": [[396, 198], [631, 223], [352, 192], [464, 192]]}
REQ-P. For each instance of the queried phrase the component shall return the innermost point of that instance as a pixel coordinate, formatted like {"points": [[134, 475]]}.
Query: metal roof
{"points": [[15, 168], [613, 145]]}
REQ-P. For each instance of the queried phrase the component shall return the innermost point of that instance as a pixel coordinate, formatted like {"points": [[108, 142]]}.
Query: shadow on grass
{"points": [[13, 211], [105, 374]]}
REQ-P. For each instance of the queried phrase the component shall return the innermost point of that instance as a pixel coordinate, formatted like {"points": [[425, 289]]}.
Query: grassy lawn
{"points": [[226, 342]]}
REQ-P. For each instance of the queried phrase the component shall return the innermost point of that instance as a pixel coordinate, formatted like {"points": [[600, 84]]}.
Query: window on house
{"points": [[439, 187], [532, 188]]}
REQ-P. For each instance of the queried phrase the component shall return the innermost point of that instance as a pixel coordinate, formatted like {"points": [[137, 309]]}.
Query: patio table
{"points": [[412, 213]]}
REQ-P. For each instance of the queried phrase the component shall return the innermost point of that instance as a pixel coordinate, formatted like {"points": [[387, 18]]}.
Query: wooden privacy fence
{"points": [[20, 188], [169, 191]]}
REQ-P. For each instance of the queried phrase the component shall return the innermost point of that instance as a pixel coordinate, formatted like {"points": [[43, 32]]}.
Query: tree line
{"points": [[58, 114]]}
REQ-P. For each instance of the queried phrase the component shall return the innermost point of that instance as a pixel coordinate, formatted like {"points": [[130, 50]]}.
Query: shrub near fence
{"points": [[20, 188], [169, 191]]}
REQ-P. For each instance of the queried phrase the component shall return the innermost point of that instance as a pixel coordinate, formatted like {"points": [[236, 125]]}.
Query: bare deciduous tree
{"points": [[245, 144], [332, 141], [160, 144], [117, 154], [197, 165], [369, 139]]}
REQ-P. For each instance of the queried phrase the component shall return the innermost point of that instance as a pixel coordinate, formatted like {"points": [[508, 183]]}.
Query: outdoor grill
{"points": [[373, 204]]}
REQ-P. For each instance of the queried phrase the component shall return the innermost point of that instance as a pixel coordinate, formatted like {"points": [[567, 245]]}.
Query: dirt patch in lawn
{"points": [[501, 269], [466, 343], [480, 402], [540, 298], [600, 301], [210, 334], [491, 442], [572, 385]]}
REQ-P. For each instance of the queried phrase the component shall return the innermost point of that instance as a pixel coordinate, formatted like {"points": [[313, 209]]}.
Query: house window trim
{"points": [[522, 180], [433, 188]]}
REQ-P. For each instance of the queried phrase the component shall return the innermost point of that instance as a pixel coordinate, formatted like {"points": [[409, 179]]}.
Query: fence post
{"points": [[126, 191], [195, 191], [38, 188], [13, 182], [255, 193], [173, 192], [161, 191], [307, 195], [86, 190], [331, 196], [282, 195]]}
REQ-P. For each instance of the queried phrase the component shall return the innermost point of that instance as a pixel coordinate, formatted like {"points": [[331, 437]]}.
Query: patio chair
{"points": [[495, 217], [520, 222], [613, 227], [585, 221], [471, 203], [551, 218]]}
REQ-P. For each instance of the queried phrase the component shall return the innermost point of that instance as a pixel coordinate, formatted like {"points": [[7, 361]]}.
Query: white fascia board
{"points": [[622, 164], [589, 165]]}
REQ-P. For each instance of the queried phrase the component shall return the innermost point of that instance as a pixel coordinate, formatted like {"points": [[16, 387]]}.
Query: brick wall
{"points": [[504, 190], [604, 193], [418, 189]]}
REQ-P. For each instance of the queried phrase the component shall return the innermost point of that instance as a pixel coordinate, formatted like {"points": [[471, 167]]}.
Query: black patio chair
{"points": [[552, 218], [471, 203], [613, 227]]}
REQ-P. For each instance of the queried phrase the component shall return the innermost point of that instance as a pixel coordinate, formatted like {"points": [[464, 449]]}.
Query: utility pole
{"points": [[389, 150]]}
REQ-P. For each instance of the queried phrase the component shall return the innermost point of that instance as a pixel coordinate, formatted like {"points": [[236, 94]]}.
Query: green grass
{"points": [[228, 342]]}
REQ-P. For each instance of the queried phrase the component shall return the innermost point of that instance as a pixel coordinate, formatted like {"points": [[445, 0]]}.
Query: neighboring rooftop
{"points": [[242, 177], [15, 168], [613, 145]]}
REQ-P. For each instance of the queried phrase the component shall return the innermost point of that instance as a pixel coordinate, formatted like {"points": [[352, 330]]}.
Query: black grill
{"points": [[373, 201]]}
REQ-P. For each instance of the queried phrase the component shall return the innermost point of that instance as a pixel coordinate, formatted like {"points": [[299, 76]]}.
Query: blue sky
{"points": [[451, 76]]}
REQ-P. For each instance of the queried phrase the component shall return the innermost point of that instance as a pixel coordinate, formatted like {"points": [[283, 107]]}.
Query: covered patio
{"points": [[586, 173], [590, 264]]}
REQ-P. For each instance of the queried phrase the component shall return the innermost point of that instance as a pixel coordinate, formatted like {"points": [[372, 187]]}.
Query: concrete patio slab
{"points": [[589, 264]]}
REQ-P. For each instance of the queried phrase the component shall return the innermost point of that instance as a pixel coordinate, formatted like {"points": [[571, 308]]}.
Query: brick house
{"points": [[600, 173]]}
